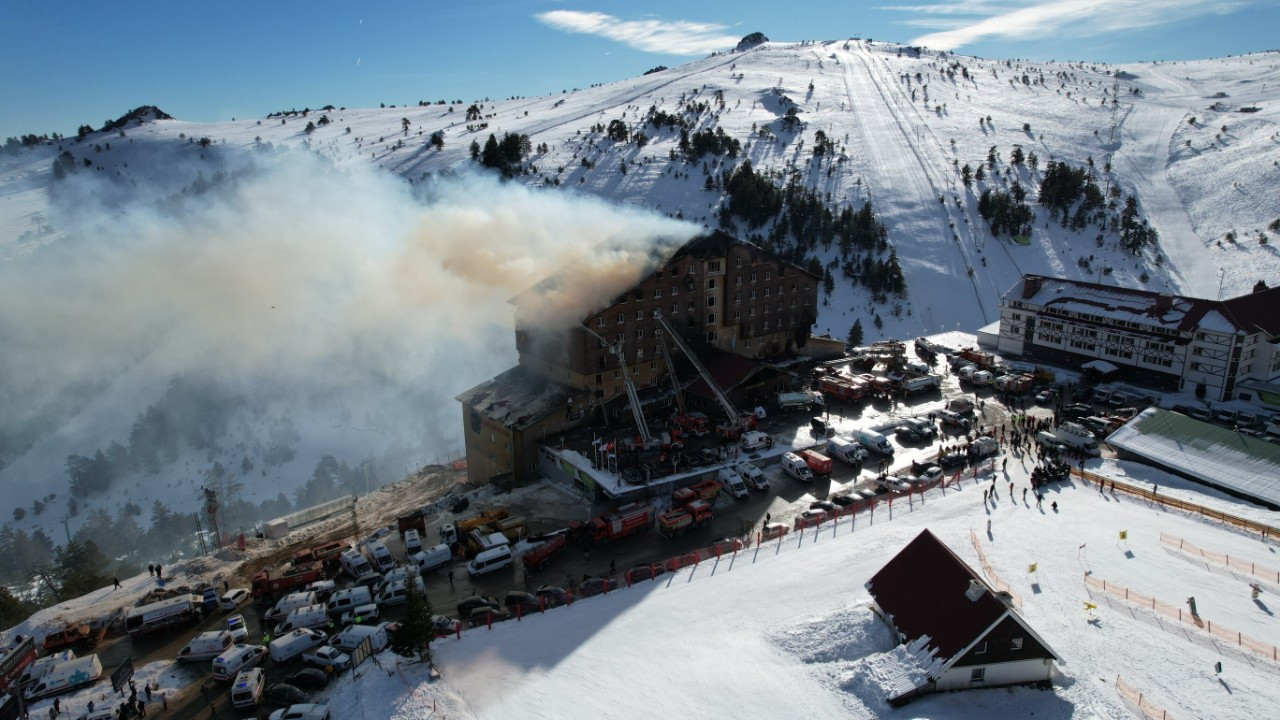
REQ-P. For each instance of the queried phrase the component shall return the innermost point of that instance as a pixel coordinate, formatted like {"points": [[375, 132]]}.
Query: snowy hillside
{"points": [[248, 253]]}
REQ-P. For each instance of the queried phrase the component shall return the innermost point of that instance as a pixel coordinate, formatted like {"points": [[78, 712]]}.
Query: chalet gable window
{"points": [[1015, 644]]}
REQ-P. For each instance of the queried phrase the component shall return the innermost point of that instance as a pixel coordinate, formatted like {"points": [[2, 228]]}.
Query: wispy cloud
{"points": [[668, 37], [1034, 20]]}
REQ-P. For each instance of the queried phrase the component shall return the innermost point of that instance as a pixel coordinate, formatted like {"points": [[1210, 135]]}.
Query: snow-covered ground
{"points": [[785, 631], [903, 126]]}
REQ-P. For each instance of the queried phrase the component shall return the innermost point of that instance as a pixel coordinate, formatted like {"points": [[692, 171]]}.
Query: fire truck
{"points": [[679, 520], [270, 582], [706, 490], [841, 389], [610, 527]]}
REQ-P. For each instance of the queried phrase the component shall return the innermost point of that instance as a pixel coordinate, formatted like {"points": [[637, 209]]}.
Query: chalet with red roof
{"points": [[959, 633]]}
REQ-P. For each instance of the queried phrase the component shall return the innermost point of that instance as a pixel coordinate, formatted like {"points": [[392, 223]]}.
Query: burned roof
{"points": [[662, 252], [925, 590], [517, 398], [1255, 312]]}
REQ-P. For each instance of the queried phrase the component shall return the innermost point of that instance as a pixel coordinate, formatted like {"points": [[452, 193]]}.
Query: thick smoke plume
{"points": [[347, 284]]}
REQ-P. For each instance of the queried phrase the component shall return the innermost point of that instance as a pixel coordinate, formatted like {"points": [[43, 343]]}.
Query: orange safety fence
{"points": [[1139, 703], [1245, 566], [996, 582], [1177, 612], [1262, 529]]}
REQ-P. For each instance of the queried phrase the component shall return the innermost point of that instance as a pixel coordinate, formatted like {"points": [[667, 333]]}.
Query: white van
{"points": [[796, 467], [206, 646], [873, 440], [65, 676], [732, 483], [42, 666], [236, 658], [354, 564], [246, 691], [397, 592], [412, 542], [288, 604], [348, 598], [752, 476], [307, 616], [379, 556], [434, 557], [490, 560], [350, 638], [847, 450], [288, 647], [234, 598], [754, 440]]}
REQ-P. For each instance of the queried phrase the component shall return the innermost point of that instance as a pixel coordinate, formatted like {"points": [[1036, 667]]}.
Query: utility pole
{"points": [[67, 529], [211, 508]]}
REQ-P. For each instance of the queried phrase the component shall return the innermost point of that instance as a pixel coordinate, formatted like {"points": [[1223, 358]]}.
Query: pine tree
{"points": [[415, 633], [855, 334], [79, 568]]}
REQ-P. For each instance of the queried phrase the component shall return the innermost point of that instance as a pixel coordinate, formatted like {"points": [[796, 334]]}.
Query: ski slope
{"points": [[903, 124]]}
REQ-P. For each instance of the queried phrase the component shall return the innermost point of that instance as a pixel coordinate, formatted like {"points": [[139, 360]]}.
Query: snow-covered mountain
{"points": [[287, 248]]}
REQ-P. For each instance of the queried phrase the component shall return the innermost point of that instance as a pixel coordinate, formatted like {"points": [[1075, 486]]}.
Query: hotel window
{"points": [[711, 318], [753, 277], [1015, 644], [767, 275], [600, 321], [737, 262], [675, 289], [639, 334], [737, 298], [713, 266], [711, 283], [766, 291], [711, 301], [639, 314], [657, 293], [978, 674], [622, 317], [711, 336]]}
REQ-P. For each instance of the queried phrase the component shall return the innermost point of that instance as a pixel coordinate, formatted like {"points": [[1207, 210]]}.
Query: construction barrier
{"points": [[1138, 703], [1261, 572], [996, 582], [1176, 612], [1266, 531]]}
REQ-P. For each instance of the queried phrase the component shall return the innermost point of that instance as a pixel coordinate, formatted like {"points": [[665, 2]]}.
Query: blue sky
{"points": [[70, 63]]}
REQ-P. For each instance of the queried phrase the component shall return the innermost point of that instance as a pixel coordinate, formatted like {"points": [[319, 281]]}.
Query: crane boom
{"points": [[729, 410], [641, 425]]}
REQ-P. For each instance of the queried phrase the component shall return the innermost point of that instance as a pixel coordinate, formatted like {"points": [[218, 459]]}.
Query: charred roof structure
{"points": [[592, 328]]}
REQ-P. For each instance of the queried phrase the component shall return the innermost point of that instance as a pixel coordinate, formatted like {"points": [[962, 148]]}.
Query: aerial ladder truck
{"points": [[646, 440], [736, 422]]}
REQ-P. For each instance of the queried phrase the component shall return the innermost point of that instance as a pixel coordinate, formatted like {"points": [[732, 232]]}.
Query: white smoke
{"points": [[344, 283]]}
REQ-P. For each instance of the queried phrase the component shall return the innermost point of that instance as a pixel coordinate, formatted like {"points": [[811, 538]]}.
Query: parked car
{"points": [[1201, 414], [235, 625], [950, 418], [825, 505], [1077, 410], [527, 602], [1047, 396], [645, 572], [285, 694], [475, 601], [596, 586], [811, 518], [234, 598], [845, 499], [304, 711], [309, 678], [774, 530], [555, 595], [443, 624], [931, 473]]}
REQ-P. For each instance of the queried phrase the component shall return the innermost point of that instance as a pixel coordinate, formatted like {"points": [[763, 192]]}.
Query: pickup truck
{"points": [[327, 656]]}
